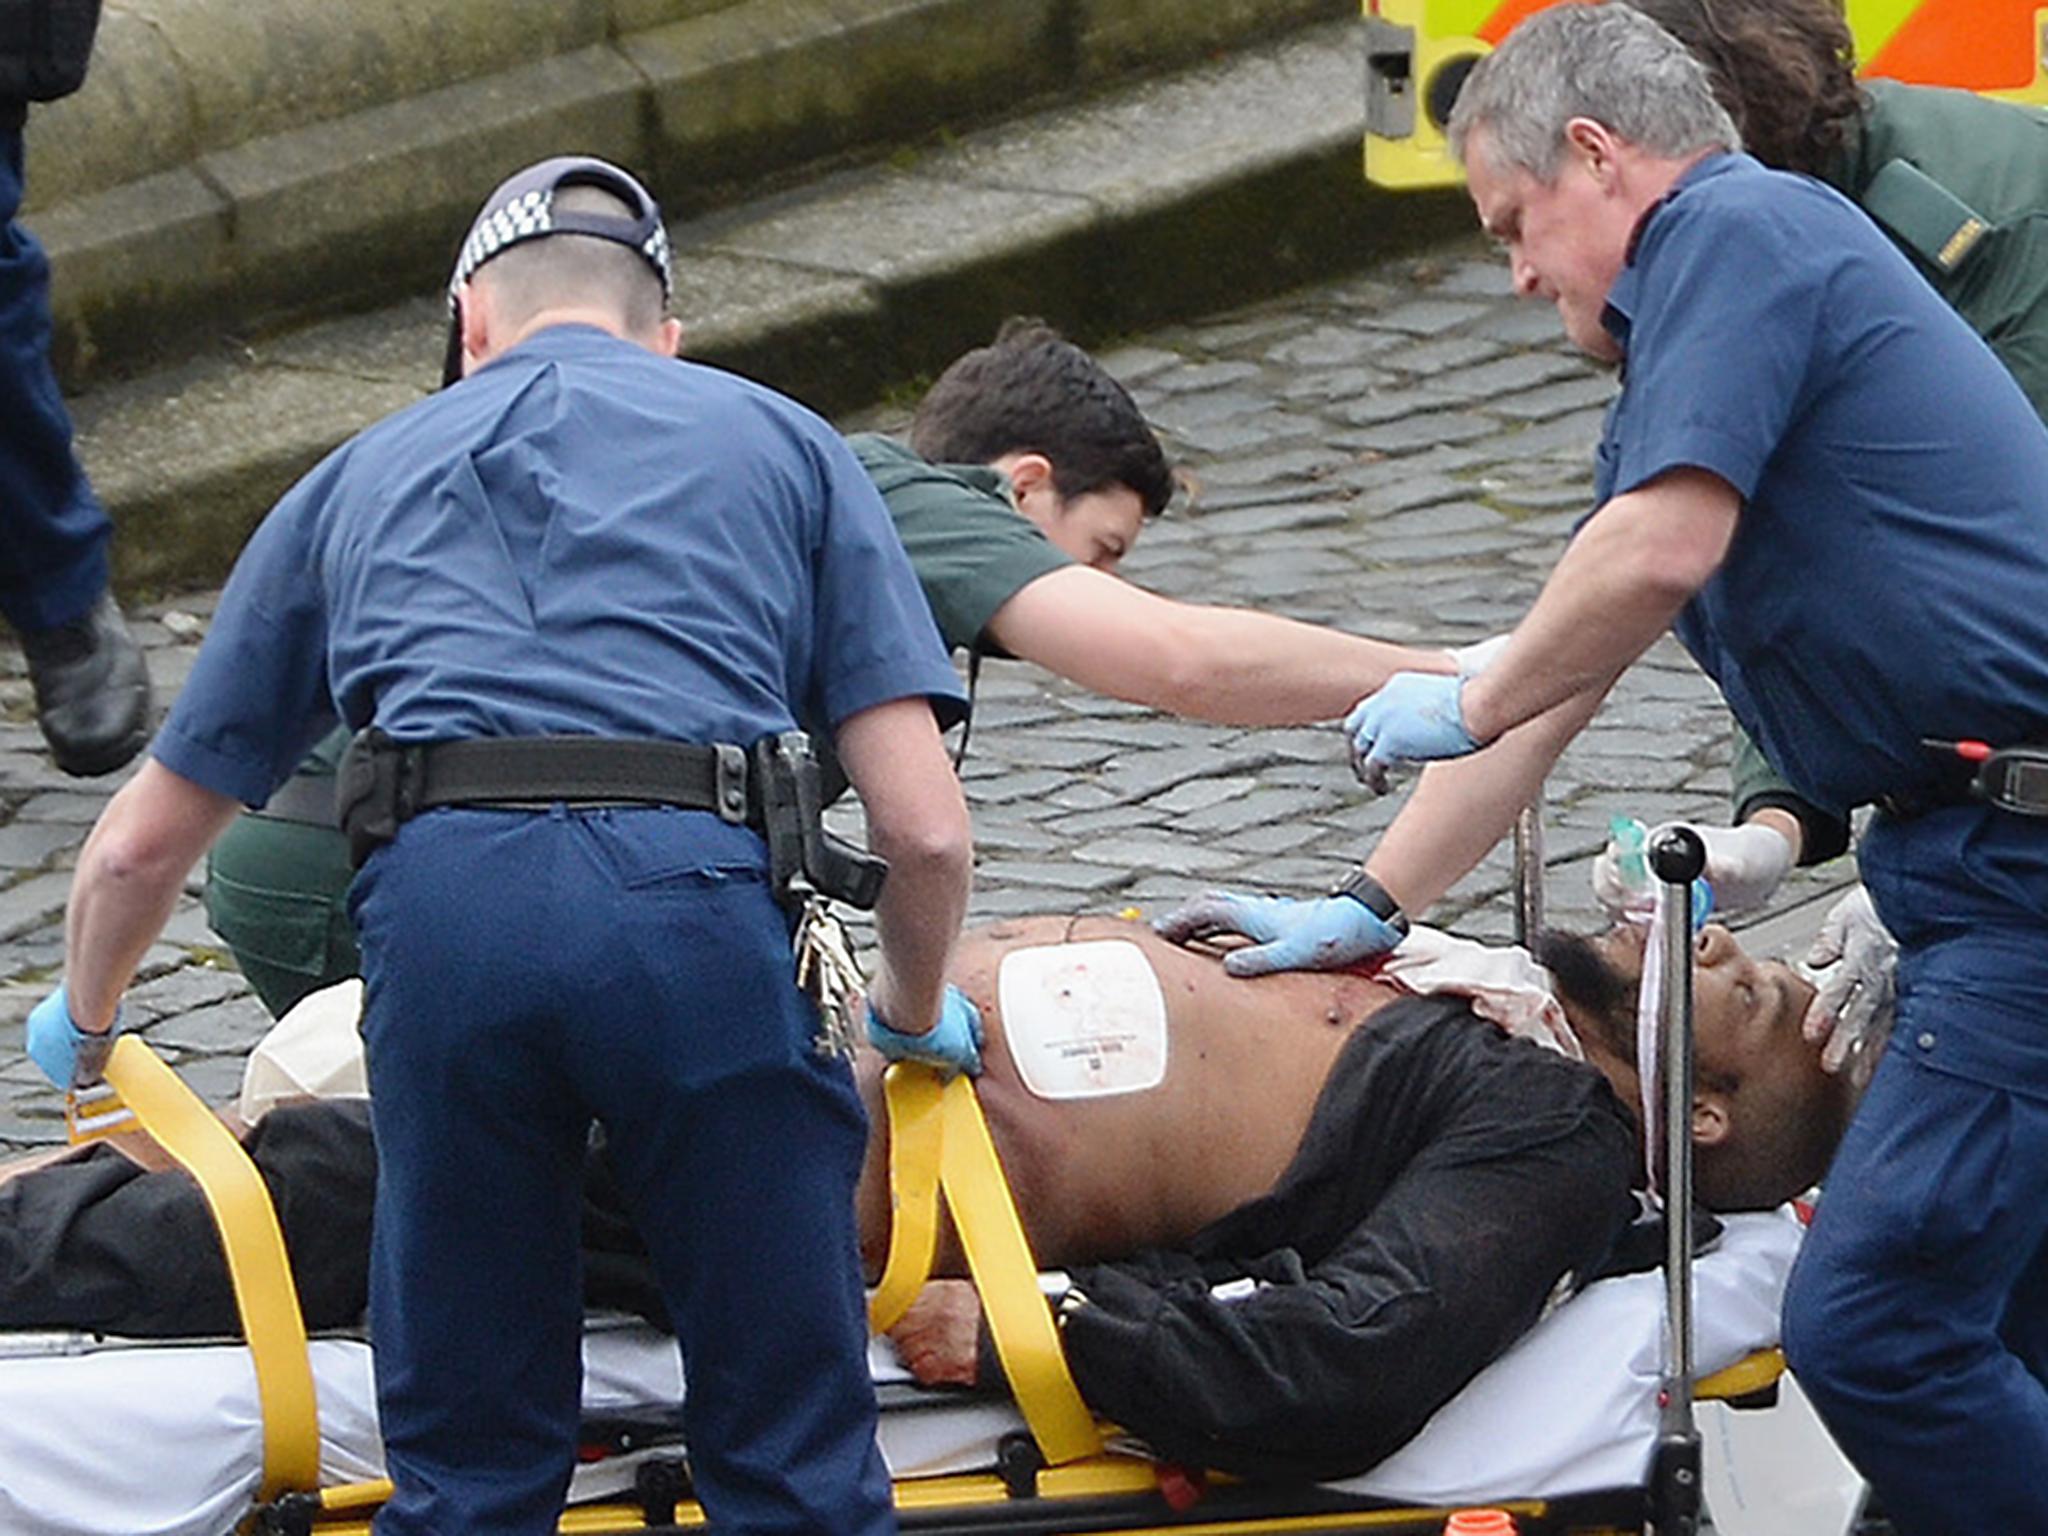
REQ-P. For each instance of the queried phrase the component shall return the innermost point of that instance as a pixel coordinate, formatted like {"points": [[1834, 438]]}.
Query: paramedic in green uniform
{"points": [[1029, 475]]}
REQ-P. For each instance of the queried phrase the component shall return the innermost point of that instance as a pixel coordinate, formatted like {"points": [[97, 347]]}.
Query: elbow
{"points": [[127, 857], [1678, 572], [1191, 666], [1689, 539], [936, 844], [123, 866], [1187, 690]]}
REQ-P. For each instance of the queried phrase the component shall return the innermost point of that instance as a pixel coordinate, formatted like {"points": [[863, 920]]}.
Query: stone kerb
{"points": [[230, 168]]}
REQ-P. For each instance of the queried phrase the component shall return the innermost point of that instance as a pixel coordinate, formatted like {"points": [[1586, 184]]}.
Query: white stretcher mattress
{"points": [[165, 1440]]}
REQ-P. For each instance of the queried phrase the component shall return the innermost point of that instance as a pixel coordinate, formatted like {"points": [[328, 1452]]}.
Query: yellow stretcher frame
{"points": [[1057, 1478], [1417, 53]]}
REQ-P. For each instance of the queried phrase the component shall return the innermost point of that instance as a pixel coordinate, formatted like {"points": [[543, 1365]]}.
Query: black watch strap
{"points": [[1375, 898]]}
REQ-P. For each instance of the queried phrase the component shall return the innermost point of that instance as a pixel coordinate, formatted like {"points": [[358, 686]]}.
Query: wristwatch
{"points": [[1374, 897]]}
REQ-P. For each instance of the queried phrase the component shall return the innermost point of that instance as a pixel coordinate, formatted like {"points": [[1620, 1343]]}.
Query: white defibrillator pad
{"points": [[1084, 1020]]}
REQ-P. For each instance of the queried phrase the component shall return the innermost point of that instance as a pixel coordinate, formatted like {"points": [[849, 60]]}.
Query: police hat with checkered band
{"points": [[523, 208]]}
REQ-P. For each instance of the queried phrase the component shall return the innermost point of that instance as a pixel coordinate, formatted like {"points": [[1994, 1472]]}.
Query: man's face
{"points": [[1094, 528], [1746, 1015], [1565, 240]]}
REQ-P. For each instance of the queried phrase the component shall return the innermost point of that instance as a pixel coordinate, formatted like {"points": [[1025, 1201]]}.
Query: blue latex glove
{"points": [[1413, 718], [1324, 933], [953, 1044], [69, 1056]]}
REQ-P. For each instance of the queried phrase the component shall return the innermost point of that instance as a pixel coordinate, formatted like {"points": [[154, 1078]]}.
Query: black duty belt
{"points": [[773, 788], [304, 798], [2011, 779]]}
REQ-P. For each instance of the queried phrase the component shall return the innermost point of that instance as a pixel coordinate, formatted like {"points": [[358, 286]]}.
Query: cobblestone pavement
{"points": [[1401, 453]]}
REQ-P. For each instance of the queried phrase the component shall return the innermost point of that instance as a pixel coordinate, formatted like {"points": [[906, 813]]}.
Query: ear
{"points": [[1593, 145], [670, 343], [1028, 472], [1711, 1119], [474, 306]]}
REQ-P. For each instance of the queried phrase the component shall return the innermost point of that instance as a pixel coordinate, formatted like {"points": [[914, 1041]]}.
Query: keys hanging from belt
{"points": [[830, 976]]}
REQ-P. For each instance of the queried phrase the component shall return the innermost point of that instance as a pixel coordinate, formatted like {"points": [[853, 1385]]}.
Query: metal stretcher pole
{"points": [[1677, 857], [1529, 871]]}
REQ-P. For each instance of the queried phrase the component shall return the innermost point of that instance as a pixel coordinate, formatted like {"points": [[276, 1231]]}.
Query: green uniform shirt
{"points": [[1984, 158], [971, 548], [1991, 157]]}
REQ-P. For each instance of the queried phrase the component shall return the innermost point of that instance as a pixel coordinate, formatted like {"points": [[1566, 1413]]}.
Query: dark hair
{"points": [[1781, 1147], [1033, 391], [1782, 1144], [1599, 992], [1784, 69]]}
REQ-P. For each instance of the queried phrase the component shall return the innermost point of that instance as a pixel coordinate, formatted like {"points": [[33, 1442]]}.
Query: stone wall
{"points": [[232, 168]]}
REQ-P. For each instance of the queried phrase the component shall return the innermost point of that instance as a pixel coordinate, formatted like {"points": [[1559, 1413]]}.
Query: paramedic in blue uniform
{"points": [[591, 549], [1796, 403]]}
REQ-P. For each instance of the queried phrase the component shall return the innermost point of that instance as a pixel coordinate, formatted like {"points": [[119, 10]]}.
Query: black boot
{"points": [[92, 689]]}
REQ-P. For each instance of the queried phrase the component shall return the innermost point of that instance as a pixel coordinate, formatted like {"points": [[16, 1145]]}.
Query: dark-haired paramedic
{"points": [[1796, 400], [569, 593]]}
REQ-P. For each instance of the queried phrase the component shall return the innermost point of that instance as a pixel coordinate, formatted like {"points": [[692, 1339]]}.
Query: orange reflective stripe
{"points": [[1505, 19], [1980, 45]]}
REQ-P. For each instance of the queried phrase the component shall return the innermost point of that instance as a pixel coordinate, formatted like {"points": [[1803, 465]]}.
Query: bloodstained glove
{"points": [[1854, 963], [953, 1044], [1413, 718], [69, 1056], [1324, 933]]}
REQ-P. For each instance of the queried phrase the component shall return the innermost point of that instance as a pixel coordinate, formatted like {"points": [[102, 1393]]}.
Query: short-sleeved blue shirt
{"points": [[580, 539], [1888, 579]]}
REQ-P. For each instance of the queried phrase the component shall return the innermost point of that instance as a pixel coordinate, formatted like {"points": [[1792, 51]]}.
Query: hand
{"points": [[1326, 933], [1413, 718], [1854, 962], [1744, 866], [953, 1044], [69, 1056], [938, 1337]]}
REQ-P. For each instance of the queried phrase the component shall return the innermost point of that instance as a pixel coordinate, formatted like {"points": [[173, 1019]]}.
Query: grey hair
{"points": [[1610, 63]]}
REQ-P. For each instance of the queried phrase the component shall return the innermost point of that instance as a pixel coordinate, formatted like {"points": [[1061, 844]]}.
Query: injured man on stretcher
{"points": [[1299, 1212]]}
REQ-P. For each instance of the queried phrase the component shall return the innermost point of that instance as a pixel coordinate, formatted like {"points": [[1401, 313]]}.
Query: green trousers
{"points": [[277, 894]]}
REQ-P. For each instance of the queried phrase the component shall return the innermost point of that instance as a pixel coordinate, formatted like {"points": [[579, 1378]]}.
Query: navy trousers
{"points": [[1917, 1316], [528, 972], [53, 533]]}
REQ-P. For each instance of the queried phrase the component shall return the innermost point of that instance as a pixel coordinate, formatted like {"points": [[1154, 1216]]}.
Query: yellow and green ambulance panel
{"points": [[1419, 51]]}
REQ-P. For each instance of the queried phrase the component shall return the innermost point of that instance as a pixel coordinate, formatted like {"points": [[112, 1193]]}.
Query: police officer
{"points": [[91, 688], [1796, 401], [568, 594]]}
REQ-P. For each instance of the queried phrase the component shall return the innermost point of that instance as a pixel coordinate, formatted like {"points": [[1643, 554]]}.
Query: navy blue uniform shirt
{"points": [[582, 538], [1888, 579]]}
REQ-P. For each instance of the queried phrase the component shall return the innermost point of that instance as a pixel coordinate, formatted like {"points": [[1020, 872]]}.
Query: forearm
{"points": [[917, 921], [1621, 582], [1462, 807], [1235, 666], [917, 821], [130, 874]]}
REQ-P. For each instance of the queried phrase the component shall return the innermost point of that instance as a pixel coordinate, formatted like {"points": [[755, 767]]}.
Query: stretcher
{"points": [[1584, 1427], [1418, 53]]}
